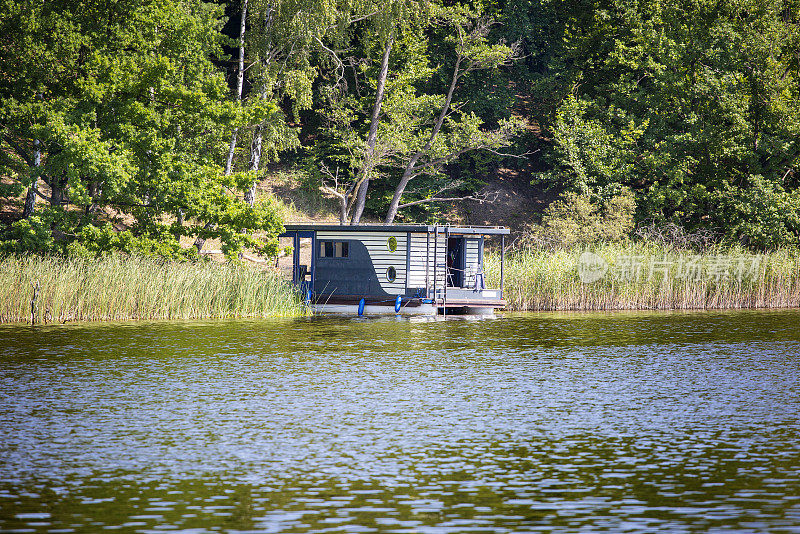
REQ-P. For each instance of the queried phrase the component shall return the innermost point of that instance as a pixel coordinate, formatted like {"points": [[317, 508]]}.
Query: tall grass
{"points": [[117, 288], [647, 276]]}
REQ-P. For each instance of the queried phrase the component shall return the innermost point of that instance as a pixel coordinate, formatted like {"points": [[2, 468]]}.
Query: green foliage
{"points": [[764, 216], [694, 105], [28, 235], [130, 115], [76, 238], [123, 110], [589, 157], [574, 220], [93, 240], [427, 53]]}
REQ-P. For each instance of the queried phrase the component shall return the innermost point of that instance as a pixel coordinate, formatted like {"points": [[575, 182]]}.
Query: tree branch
{"points": [[331, 191], [481, 198], [357, 19], [19, 150], [506, 155], [39, 194], [339, 63]]}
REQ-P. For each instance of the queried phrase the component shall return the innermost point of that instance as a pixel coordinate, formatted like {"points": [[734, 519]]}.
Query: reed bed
{"points": [[646, 277], [121, 288]]}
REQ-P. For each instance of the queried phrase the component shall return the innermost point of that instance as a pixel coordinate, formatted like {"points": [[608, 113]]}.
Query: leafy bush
{"points": [[28, 235], [54, 230], [763, 216], [97, 240], [575, 220], [590, 157]]}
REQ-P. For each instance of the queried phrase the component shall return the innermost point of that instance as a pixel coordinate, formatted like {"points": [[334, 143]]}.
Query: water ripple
{"points": [[684, 422]]}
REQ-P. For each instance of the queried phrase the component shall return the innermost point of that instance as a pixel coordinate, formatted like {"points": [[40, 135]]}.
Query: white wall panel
{"points": [[422, 244]]}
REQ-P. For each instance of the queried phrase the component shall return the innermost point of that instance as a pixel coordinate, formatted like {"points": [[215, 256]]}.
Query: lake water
{"points": [[637, 422]]}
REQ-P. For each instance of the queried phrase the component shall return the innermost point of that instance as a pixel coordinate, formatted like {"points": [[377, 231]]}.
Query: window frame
{"points": [[340, 249]]}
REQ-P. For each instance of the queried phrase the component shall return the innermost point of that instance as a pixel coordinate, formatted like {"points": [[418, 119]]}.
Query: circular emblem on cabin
{"points": [[391, 273], [591, 267], [392, 243]]}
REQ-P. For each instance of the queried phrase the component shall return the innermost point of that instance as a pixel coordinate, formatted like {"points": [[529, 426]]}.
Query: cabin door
{"points": [[455, 261]]}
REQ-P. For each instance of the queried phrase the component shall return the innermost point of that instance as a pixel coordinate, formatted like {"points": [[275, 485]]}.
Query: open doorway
{"points": [[455, 262]]}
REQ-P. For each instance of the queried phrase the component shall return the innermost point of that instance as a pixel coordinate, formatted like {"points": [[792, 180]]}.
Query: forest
{"points": [[141, 126]]}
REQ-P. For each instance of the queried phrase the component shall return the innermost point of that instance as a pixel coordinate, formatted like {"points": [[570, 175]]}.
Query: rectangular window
{"points": [[333, 249]]}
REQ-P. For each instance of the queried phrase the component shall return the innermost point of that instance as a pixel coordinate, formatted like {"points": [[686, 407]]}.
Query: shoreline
{"points": [[607, 278], [196, 321]]}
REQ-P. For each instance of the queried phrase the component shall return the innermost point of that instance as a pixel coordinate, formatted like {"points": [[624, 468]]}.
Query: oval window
{"points": [[392, 243], [391, 274]]}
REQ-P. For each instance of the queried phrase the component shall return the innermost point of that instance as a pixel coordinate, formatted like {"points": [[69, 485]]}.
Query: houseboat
{"points": [[407, 269]]}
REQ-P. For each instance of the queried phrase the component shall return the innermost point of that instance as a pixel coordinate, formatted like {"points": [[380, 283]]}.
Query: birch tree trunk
{"points": [[255, 162], [408, 173], [30, 198], [258, 134], [199, 242], [366, 169], [239, 85]]}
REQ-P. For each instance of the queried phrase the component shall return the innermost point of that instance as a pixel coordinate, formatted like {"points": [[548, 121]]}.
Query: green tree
{"points": [[432, 132], [695, 105], [415, 125], [117, 108], [590, 157], [377, 35]]}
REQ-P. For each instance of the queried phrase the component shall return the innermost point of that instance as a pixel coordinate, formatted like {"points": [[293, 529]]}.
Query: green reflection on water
{"points": [[555, 422]]}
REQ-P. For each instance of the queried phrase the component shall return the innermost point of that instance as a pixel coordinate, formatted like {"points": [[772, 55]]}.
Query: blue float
{"points": [[361, 304], [398, 304]]}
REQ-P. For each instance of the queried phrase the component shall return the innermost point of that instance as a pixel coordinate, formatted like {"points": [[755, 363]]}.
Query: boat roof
{"points": [[416, 228]]}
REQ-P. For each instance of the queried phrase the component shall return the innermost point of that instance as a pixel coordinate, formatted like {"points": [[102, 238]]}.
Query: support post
{"points": [[427, 261], [35, 297], [446, 271], [502, 261], [296, 259], [408, 259], [435, 259]]}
